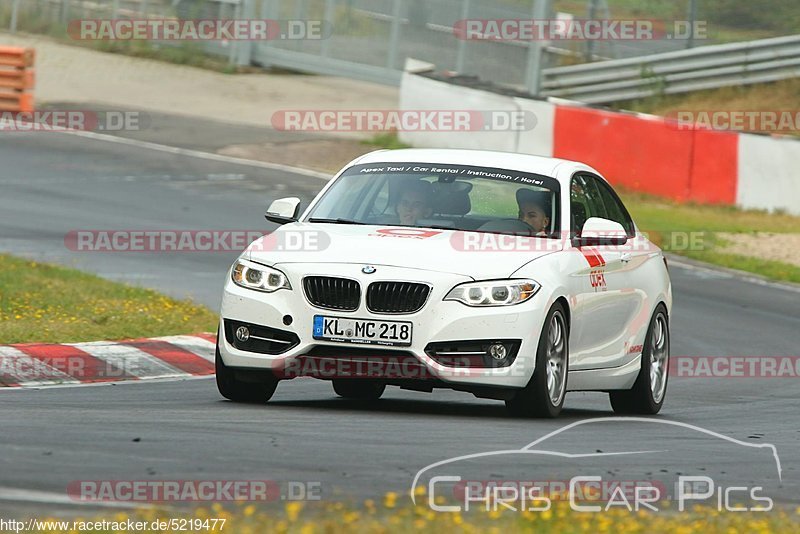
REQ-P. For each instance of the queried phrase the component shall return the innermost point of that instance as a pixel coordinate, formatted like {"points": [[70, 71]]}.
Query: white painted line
{"points": [[129, 360], [196, 153], [196, 345], [47, 497], [103, 384], [723, 272], [28, 371]]}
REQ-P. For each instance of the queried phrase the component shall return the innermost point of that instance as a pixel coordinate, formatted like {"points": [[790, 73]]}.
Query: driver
{"points": [[534, 209], [414, 202]]}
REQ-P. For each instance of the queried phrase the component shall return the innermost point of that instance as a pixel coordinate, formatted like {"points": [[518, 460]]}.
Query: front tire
{"points": [[359, 389], [650, 389], [259, 387], [544, 394]]}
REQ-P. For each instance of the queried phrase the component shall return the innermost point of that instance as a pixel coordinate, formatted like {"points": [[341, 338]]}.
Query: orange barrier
{"points": [[715, 167], [650, 155], [641, 155], [16, 78]]}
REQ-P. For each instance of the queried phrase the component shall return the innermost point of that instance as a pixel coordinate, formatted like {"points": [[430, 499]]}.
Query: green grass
{"points": [[668, 222], [51, 304], [774, 270], [776, 96], [185, 53], [727, 20], [655, 213], [385, 140]]}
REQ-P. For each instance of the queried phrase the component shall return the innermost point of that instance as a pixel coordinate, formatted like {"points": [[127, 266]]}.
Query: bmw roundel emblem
{"points": [[368, 269]]}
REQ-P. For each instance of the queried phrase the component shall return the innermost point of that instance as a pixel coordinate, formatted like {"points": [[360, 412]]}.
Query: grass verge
{"points": [[690, 230], [387, 140], [777, 96], [391, 516], [51, 304]]}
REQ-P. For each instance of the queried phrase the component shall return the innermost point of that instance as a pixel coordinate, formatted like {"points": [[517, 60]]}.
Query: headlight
{"points": [[494, 292], [258, 277]]}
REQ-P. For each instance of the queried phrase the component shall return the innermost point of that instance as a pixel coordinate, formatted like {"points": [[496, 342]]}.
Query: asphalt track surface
{"points": [[52, 183]]}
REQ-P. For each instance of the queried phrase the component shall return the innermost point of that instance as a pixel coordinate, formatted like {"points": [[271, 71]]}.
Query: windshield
{"points": [[456, 197]]}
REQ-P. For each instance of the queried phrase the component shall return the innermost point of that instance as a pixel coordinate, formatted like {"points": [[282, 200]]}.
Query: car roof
{"points": [[479, 158]]}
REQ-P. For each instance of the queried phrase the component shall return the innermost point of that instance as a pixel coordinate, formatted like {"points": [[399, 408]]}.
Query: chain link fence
{"points": [[371, 39]]}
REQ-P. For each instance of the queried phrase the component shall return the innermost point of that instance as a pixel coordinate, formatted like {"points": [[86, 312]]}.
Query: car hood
{"points": [[473, 254]]}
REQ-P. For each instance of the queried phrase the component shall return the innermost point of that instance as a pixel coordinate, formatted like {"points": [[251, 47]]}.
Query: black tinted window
{"points": [[585, 202], [614, 208]]}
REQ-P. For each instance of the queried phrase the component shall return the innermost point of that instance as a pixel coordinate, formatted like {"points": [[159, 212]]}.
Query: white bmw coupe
{"points": [[509, 276]]}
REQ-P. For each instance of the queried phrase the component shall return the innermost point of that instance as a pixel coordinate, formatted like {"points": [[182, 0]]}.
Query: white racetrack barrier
{"points": [[769, 173], [421, 93], [538, 140]]}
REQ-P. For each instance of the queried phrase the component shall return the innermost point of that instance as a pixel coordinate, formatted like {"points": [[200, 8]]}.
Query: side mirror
{"points": [[283, 210], [598, 231]]}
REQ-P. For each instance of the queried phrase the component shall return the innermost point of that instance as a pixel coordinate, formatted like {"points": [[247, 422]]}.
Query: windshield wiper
{"points": [[434, 226], [441, 227], [333, 221]]}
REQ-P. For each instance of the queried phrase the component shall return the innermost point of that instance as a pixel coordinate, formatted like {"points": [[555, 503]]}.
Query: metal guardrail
{"points": [[707, 67], [385, 32]]}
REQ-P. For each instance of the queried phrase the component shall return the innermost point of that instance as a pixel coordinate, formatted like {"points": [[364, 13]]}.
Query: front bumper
{"points": [[437, 321]]}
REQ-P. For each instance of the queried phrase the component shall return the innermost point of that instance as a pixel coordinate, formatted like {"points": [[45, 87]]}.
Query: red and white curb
{"points": [[39, 364]]}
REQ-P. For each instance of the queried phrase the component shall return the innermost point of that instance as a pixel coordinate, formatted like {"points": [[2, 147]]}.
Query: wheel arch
{"points": [[563, 300]]}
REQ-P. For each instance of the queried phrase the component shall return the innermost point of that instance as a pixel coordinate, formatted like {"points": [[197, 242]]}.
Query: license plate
{"points": [[343, 329]]}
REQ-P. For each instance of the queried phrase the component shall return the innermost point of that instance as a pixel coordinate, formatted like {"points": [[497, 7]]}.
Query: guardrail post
{"points": [[244, 48], [461, 57], [533, 72], [394, 36], [328, 19], [269, 11], [14, 16], [692, 19], [65, 5]]}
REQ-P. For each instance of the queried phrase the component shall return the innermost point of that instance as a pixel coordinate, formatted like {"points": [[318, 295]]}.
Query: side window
{"points": [[614, 207], [585, 202]]}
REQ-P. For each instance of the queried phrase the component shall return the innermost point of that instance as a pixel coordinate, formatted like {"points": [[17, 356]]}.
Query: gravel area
{"points": [[778, 247], [68, 73], [322, 155]]}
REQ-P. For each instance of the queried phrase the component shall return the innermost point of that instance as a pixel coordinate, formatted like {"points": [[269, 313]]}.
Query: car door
{"points": [[637, 260], [600, 299]]}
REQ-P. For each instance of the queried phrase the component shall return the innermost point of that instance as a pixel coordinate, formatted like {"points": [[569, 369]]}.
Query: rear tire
{"points": [[650, 389], [544, 394], [259, 387], [360, 389]]}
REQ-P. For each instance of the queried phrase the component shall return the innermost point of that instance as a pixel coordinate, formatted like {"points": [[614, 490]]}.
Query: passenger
{"points": [[414, 203], [535, 209]]}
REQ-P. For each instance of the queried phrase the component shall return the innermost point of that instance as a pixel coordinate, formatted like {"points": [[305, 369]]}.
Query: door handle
{"points": [[625, 257]]}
